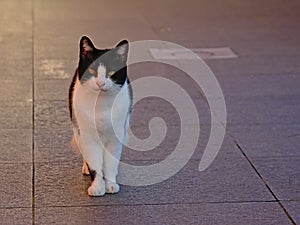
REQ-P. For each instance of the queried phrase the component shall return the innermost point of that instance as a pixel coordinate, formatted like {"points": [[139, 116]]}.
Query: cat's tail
{"points": [[74, 145]]}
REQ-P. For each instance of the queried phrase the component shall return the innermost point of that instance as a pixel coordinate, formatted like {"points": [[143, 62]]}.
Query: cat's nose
{"points": [[100, 84]]}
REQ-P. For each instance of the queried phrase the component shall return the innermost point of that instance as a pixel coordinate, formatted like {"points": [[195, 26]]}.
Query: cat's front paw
{"points": [[97, 188], [111, 187]]}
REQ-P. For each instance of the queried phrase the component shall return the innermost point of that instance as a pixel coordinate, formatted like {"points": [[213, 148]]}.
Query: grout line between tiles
{"points": [[33, 114], [157, 204], [265, 182]]}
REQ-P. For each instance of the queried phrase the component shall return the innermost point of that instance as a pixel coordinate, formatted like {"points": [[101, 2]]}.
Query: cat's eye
{"points": [[92, 71], [110, 73]]}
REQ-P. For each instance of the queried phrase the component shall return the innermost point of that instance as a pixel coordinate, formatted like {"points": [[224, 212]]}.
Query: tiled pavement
{"points": [[255, 178]]}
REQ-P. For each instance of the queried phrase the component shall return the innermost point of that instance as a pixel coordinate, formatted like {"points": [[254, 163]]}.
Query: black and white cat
{"points": [[100, 78]]}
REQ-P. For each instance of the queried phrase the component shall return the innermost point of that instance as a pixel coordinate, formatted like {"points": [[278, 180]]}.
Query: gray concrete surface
{"points": [[255, 178]]}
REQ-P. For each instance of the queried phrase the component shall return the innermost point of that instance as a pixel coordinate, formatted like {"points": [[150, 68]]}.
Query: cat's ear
{"points": [[86, 47], [122, 49]]}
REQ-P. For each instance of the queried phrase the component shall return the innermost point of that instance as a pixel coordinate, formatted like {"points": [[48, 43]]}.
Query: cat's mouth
{"points": [[99, 89], [103, 90]]}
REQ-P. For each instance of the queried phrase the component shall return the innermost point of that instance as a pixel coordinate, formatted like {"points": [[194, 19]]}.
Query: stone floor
{"points": [[255, 177]]}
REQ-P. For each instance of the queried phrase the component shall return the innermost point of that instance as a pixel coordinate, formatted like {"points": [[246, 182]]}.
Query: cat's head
{"points": [[102, 69]]}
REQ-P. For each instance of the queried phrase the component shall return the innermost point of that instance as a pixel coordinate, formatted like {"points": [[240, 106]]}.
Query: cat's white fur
{"points": [[95, 136]]}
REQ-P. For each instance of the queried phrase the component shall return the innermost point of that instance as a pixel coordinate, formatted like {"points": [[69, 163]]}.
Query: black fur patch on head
{"points": [[119, 60], [115, 61], [87, 55]]}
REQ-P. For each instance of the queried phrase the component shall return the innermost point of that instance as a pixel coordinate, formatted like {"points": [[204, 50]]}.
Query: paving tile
{"points": [[51, 114], [266, 49], [56, 154], [13, 18], [105, 34], [217, 23], [259, 44], [226, 180], [16, 68], [213, 185], [16, 90], [171, 73], [268, 65], [15, 145], [263, 110], [14, 28], [16, 59], [15, 115], [142, 151], [55, 145], [55, 69], [46, 10], [16, 215], [148, 108], [219, 30], [15, 87], [228, 213], [16, 51], [53, 138], [293, 207], [52, 90], [274, 140], [66, 178], [16, 185], [282, 174], [259, 85], [216, 8]]}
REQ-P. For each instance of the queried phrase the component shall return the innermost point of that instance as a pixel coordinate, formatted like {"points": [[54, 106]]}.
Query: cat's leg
{"points": [[85, 168], [112, 156], [92, 153], [98, 186]]}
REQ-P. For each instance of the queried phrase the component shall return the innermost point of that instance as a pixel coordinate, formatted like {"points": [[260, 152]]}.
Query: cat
{"points": [[99, 131]]}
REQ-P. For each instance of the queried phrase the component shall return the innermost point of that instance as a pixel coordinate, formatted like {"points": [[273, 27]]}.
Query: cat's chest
{"points": [[90, 107], [100, 109], [103, 109]]}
